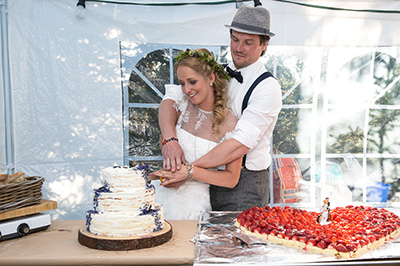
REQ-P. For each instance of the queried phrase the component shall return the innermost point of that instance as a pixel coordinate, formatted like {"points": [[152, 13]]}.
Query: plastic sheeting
{"points": [[66, 77]]}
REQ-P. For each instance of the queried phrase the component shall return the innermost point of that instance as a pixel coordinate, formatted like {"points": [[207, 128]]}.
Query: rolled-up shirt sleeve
{"points": [[245, 132], [173, 92], [260, 115]]}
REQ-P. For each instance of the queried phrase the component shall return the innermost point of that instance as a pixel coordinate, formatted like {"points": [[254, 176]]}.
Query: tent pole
{"points": [[9, 136]]}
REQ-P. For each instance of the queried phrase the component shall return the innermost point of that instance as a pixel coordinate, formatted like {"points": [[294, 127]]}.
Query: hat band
{"points": [[249, 27]]}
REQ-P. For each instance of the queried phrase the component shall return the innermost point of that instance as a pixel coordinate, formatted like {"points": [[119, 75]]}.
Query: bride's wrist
{"points": [[189, 170]]}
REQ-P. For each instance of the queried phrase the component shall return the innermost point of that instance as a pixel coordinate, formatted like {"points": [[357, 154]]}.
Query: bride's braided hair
{"points": [[203, 62]]}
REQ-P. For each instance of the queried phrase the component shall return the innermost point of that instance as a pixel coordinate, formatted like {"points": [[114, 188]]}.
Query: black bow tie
{"points": [[234, 74]]}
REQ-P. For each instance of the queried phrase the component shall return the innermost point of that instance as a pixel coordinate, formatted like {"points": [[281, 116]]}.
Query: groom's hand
{"points": [[173, 156]]}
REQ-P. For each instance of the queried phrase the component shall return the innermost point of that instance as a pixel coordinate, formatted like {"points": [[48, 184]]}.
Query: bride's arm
{"points": [[173, 155], [226, 178]]}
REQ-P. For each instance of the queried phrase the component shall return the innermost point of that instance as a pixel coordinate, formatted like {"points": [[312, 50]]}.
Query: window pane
{"points": [[384, 131], [386, 71], [155, 67], [293, 131], [289, 72], [384, 181], [345, 133], [343, 180], [153, 165], [144, 133], [285, 132], [305, 186]]}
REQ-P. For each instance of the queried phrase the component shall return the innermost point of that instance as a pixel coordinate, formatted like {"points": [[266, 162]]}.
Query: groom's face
{"points": [[246, 48]]}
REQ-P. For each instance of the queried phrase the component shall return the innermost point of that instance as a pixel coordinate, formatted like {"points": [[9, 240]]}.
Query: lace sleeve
{"points": [[227, 127], [180, 106]]}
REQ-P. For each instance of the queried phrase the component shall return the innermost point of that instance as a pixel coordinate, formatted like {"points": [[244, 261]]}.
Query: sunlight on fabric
{"points": [[113, 33], [68, 191]]}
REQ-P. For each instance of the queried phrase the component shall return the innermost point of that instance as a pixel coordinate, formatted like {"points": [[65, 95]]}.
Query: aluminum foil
{"points": [[218, 241]]}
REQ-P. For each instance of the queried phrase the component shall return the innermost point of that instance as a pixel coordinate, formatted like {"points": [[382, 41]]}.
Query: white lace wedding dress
{"points": [[194, 133]]}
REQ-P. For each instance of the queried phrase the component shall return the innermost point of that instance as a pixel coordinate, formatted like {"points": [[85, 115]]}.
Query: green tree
{"points": [[383, 121]]}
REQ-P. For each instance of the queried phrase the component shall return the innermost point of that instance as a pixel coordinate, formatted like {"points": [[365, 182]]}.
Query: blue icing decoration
{"points": [[97, 192], [149, 185], [145, 169], [158, 223], [89, 218], [148, 209]]}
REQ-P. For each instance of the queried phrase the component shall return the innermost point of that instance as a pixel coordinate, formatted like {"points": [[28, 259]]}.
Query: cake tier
{"points": [[123, 177], [125, 201], [123, 225]]}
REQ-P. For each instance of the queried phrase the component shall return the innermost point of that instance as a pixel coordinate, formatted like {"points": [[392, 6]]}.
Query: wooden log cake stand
{"points": [[90, 240]]}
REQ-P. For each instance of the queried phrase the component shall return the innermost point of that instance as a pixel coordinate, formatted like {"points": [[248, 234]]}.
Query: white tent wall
{"points": [[2, 123], [66, 77], [298, 25]]}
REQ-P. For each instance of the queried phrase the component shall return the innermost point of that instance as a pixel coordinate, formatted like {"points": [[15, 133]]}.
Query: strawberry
{"points": [[312, 242], [303, 239], [341, 248], [295, 238], [258, 230], [351, 247], [263, 223], [252, 227], [322, 244], [274, 232]]}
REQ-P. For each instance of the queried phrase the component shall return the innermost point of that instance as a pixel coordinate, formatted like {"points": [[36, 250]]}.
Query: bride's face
{"points": [[196, 87]]}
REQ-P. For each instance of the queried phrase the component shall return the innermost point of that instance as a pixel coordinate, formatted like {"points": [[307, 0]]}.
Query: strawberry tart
{"points": [[352, 230]]}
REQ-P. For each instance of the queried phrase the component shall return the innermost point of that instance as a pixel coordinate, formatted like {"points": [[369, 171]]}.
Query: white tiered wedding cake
{"points": [[125, 205]]}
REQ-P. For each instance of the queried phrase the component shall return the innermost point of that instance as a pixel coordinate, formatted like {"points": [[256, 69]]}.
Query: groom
{"points": [[257, 113]]}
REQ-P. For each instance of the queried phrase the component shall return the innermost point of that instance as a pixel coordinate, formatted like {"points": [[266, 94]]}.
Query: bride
{"points": [[204, 120]]}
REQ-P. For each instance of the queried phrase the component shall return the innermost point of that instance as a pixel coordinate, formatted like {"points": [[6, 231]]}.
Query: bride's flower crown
{"points": [[209, 59]]}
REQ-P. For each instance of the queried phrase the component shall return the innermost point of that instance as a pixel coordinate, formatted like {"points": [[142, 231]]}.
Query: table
{"points": [[58, 245]]}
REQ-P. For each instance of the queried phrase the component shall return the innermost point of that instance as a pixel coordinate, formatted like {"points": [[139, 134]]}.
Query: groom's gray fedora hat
{"points": [[252, 20]]}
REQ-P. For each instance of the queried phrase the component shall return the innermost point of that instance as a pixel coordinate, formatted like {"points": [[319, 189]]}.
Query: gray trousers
{"points": [[251, 190]]}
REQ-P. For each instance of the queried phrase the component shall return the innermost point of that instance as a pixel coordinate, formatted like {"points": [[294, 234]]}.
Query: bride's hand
{"points": [[153, 176], [156, 176], [174, 185], [169, 177]]}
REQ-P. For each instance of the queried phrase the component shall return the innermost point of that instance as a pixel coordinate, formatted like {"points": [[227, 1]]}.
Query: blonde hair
{"points": [[204, 66]]}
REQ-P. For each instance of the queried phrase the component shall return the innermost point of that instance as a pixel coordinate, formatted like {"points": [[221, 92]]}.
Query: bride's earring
{"points": [[211, 84]]}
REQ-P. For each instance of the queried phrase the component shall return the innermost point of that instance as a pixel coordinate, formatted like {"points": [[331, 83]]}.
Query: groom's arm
{"points": [[257, 119], [223, 153]]}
